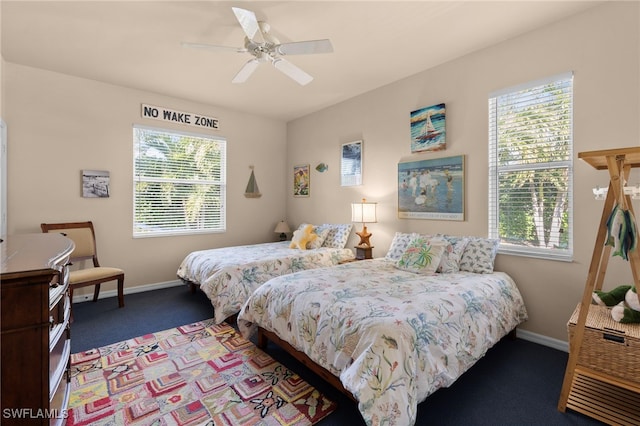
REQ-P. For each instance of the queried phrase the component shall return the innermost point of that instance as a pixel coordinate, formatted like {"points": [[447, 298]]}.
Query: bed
{"points": [[387, 335], [229, 275]]}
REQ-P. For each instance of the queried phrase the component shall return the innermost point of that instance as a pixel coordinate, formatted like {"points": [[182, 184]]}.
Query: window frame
{"points": [[222, 183], [495, 169]]}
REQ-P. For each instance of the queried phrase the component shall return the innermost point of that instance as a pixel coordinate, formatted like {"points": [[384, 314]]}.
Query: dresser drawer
{"points": [[58, 363], [60, 401], [59, 317], [58, 287]]}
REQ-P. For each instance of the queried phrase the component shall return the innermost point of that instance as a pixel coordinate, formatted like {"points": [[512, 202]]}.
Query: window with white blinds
{"points": [[179, 183], [531, 168]]}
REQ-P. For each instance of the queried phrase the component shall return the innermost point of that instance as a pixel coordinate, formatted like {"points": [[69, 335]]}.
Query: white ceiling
{"points": [[136, 44]]}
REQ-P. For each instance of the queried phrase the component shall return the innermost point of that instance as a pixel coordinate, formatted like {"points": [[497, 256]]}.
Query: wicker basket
{"points": [[608, 346]]}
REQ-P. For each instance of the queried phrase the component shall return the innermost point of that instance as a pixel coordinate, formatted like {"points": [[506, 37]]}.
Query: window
{"points": [[531, 168], [179, 183]]}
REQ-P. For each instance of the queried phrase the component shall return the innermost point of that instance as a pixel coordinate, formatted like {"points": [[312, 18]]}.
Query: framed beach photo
{"points": [[351, 164], [431, 189], [301, 180], [428, 129], [95, 184]]}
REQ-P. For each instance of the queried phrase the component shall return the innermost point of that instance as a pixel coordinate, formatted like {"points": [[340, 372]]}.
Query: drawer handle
{"points": [[613, 338], [54, 285]]}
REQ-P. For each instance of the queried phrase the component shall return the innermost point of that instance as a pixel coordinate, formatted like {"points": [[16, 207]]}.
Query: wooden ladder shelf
{"points": [[608, 398]]}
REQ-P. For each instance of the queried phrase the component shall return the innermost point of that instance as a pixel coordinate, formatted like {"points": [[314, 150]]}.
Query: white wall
{"points": [[59, 125], [601, 47]]}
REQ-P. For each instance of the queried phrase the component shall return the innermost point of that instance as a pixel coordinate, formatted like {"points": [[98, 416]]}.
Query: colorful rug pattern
{"points": [[196, 374]]}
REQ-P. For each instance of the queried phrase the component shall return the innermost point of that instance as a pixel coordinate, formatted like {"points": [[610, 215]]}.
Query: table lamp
{"points": [[283, 229], [364, 212]]}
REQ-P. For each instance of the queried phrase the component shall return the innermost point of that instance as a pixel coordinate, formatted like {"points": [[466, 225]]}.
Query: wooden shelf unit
{"points": [[585, 390]]}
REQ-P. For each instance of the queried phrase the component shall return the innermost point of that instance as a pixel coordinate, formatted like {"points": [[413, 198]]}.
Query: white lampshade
{"points": [[282, 227], [363, 212]]}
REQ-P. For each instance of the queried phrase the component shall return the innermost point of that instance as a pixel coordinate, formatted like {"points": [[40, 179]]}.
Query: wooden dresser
{"points": [[35, 343]]}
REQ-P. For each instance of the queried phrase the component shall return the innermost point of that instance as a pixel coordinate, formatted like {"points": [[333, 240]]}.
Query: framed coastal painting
{"points": [[351, 164], [431, 189], [301, 180], [428, 129]]}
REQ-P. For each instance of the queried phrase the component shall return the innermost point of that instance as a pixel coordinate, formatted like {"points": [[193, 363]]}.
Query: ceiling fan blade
{"points": [[292, 71], [213, 47], [245, 72], [249, 23], [305, 47]]}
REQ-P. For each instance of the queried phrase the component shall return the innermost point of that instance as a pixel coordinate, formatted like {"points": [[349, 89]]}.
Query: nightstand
{"points": [[364, 252]]}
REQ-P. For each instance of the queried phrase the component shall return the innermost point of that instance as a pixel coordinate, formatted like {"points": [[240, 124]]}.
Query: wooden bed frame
{"points": [[264, 336], [192, 286]]}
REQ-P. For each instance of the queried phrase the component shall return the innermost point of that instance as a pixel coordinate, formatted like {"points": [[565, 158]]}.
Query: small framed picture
{"points": [[95, 184], [351, 164], [301, 180], [428, 129]]}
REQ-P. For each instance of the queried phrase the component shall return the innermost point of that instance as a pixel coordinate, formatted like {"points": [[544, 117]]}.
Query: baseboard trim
{"points": [[543, 340], [127, 290]]}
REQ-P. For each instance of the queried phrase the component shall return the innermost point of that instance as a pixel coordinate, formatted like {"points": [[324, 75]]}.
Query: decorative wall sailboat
{"points": [[429, 131], [252, 190]]}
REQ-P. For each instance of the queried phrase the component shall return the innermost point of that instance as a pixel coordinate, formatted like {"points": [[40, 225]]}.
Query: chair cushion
{"points": [[91, 274]]}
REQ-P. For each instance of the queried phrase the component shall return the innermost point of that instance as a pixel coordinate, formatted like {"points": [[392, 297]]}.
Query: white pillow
{"points": [[423, 255], [450, 262], [479, 255], [322, 236], [338, 235], [399, 244]]}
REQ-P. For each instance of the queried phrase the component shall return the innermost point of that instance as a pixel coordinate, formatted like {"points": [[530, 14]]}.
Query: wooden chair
{"points": [[83, 235]]}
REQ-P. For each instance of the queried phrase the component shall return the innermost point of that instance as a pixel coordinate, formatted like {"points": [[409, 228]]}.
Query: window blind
{"points": [[531, 168], [179, 183]]}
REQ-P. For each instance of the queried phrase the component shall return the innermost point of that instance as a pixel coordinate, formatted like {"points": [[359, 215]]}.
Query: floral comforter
{"points": [[393, 337], [229, 275]]}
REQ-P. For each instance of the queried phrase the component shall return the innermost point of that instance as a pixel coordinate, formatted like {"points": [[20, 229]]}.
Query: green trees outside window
{"points": [[179, 183], [531, 168]]}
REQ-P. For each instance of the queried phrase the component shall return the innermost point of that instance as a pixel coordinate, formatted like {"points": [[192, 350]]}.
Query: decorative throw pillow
{"points": [[399, 244], [450, 262], [423, 255], [338, 235], [479, 255], [322, 236]]}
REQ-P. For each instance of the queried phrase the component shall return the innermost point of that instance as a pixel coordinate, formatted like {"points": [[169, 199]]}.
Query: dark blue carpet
{"points": [[516, 383]]}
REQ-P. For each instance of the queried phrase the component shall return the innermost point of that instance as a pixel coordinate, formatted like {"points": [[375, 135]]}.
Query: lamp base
{"points": [[364, 252], [364, 236], [283, 237]]}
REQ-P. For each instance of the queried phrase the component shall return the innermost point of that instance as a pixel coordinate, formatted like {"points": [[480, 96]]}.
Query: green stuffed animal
{"points": [[624, 302]]}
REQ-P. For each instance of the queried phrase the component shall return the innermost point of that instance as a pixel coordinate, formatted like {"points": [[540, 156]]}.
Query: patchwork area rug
{"points": [[199, 373]]}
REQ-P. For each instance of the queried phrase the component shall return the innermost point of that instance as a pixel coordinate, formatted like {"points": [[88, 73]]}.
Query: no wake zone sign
{"points": [[173, 116]]}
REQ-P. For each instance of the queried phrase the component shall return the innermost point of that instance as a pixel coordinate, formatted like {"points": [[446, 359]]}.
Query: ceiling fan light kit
{"points": [[264, 47]]}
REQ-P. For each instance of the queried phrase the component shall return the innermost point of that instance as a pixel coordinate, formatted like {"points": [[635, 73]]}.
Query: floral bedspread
{"points": [[393, 337], [229, 275]]}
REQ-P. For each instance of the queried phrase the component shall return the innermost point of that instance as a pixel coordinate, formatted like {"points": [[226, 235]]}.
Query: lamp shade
{"points": [[364, 212], [282, 227]]}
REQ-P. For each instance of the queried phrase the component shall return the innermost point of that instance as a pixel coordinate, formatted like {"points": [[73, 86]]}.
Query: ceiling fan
{"points": [[266, 48]]}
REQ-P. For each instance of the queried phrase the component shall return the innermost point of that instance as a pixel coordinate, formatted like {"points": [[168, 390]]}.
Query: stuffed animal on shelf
{"points": [[624, 302], [301, 237]]}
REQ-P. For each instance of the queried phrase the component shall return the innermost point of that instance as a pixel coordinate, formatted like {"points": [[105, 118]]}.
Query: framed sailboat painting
{"points": [[428, 129]]}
